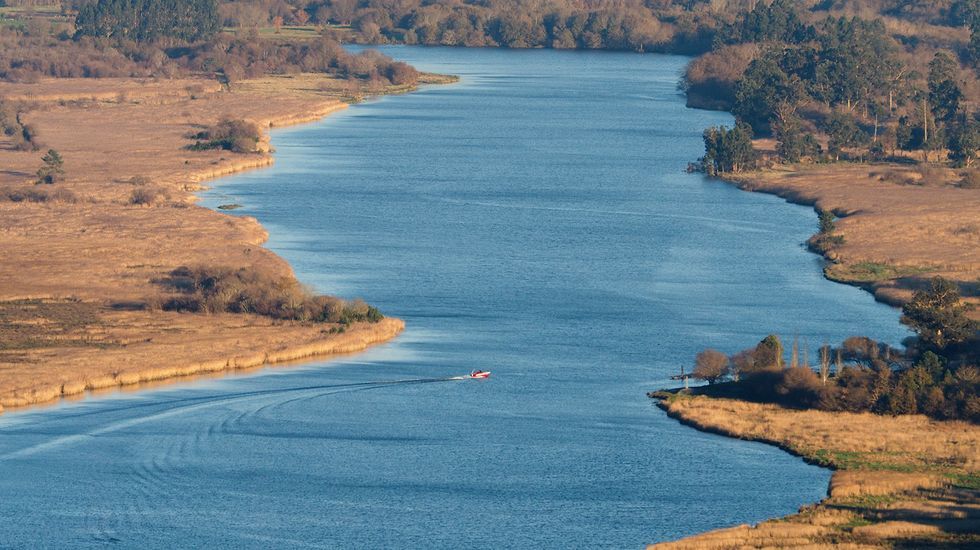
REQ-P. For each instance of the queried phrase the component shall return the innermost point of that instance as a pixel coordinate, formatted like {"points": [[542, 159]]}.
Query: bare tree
{"points": [[710, 365], [824, 363], [794, 359], [742, 362]]}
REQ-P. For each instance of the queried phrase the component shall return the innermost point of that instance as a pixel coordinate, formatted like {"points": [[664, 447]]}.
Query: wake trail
{"points": [[176, 407]]}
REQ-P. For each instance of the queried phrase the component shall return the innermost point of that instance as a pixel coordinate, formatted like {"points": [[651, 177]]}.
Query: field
{"points": [[898, 482], [76, 304]]}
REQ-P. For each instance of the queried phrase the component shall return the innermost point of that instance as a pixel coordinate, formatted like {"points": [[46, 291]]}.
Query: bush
{"points": [[237, 136], [931, 174], [247, 290], [144, 196], [800, 387], [33, 194], [971, 180]]}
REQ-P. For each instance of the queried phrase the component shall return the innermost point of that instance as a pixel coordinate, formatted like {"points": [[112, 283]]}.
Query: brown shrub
{"points": [[238, 136], [146, 196], [800, 386], [710, 79], [247, 290], [971, 180], [931, 174], [35, 194]]}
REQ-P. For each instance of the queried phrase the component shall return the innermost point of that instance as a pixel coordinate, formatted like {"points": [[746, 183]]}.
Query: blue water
{"points": [[535, 220]]}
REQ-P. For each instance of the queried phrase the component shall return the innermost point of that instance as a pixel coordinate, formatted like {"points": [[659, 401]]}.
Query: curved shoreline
{"points": [[895, 479], [360, 337], [283, 341], [888, 250]]}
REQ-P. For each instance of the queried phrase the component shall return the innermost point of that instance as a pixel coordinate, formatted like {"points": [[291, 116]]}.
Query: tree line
{"points": [[841, 88], [939, 375], [135, 38]]}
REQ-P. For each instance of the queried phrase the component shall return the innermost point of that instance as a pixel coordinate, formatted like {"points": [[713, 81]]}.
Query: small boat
{"points": [[480, 374]]}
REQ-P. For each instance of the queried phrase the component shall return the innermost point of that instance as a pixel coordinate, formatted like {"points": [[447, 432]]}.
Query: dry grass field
{"points": [[899, 482], [79, 261], [899, 228]]}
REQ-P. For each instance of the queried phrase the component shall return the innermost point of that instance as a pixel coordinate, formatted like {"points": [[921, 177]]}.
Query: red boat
{"points": [[480, 374]]}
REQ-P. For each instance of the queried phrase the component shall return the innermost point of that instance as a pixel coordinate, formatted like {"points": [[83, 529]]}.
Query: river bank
{"points": [[74, 313], [896, 229], [898, 481], [906, 481]]}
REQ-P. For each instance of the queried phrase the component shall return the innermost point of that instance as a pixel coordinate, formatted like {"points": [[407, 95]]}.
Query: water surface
{"points": [[534, 220]]}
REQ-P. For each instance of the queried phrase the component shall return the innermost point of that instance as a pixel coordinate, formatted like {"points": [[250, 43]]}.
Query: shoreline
{"points": [[359, 338], [281, 341], [851, 192], [896, 479], [874, 262]]}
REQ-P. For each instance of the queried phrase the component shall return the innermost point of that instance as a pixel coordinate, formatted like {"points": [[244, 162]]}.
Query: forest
{"points": [[839, 88]]}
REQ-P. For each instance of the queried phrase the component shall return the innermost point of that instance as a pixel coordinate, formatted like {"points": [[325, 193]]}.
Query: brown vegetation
{"points": [[709, 80], [904, 481], [92, 249]]}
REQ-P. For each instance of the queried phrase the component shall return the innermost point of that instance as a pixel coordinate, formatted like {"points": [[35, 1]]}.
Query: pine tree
{"points": [[53, 169]]}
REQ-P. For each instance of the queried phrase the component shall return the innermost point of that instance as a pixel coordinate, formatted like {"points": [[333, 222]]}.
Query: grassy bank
{"points": [[892, 237], [77, 308], [898, 482]]}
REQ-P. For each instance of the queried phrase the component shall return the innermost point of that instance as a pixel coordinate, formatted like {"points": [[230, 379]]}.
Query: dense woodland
{"points": [[839, 88]]}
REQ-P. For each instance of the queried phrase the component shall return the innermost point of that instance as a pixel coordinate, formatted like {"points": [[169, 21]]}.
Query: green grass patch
{"points": [[289, 32], [869, 272], [868, 501], [856, 522], [850, 460], [969, 480]]}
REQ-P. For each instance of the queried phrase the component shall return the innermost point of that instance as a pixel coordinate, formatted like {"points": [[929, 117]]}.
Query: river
{"points": [[535, 220]]}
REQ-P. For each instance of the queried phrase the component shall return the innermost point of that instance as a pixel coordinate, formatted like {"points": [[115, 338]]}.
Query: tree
{"points": [[964, 142], [742, 362], [974, 47], [827, 221], [944, 92], [710, 365], [762, 89], [775, 21], [938, 315], [792, 143], [53, 168], [728, 151], [904, 135], [148, 20], [769, 353], [824, 363], [844, 132], [301, 17], [856, 61]]}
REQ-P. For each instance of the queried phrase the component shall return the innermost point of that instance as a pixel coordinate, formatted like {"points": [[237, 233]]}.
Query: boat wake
{"points": [[157, 410]]}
